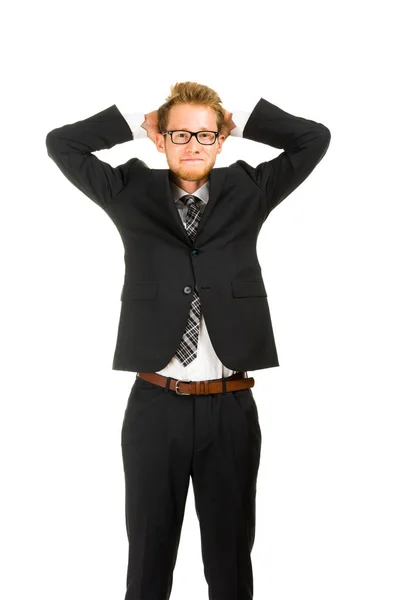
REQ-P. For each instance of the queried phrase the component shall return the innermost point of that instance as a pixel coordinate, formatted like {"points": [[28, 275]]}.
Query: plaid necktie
{"points": [[187, 349]]}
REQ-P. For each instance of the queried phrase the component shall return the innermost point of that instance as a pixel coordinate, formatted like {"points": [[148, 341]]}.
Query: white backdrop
{"points": [[328, 490]]}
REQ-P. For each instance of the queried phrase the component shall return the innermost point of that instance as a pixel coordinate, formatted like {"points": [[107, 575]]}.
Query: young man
{"points": [[194, 318]]}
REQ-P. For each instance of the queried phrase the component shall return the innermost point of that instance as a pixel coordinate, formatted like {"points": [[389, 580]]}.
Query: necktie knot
{"points": [[189, 199]]}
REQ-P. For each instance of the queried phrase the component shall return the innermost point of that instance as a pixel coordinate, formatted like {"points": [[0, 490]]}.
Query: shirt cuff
{"points": [[240, 118], [134, 121]]}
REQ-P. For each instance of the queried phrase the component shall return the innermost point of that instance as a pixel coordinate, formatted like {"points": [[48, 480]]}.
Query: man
{"points": [[194, 318]]}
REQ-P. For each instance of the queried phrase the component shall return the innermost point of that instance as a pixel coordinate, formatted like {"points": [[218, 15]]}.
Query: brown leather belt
{"points": [[186, 387]]}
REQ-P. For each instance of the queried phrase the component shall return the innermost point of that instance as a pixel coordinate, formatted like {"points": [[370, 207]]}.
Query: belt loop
{"points": [[166, 389], [224, 385]]}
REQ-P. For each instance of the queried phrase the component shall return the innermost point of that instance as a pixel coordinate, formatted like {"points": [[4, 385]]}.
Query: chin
{"points": [[194, 173]]}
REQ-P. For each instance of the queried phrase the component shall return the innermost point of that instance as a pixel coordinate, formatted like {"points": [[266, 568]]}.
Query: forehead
{"points": [[193, 117]]}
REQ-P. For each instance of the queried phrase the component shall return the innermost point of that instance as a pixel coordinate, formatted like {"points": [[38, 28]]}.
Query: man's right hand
{"points": [[150, 123]]}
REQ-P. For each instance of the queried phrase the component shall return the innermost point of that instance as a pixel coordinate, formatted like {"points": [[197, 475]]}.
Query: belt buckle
{"points": [[177, 385]]}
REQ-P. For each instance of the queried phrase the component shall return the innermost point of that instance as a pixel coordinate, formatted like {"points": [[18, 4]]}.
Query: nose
{"points": [[193, 144]]}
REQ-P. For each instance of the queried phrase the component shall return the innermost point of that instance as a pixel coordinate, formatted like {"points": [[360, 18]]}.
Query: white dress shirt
{"points": [[206, 365]]}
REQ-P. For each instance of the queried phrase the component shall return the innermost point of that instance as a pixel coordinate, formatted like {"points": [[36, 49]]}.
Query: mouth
{"points": [[192, 160]]}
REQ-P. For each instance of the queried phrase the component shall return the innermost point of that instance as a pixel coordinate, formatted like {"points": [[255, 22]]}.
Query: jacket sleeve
{"points": [[71, 148], [304, 142]]}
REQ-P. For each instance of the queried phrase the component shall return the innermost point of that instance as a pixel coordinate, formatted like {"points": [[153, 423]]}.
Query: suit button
{"points": [[187, 289], [195, 251]]}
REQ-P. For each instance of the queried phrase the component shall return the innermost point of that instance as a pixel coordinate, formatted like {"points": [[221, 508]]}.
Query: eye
{"points": [[207, 135]]}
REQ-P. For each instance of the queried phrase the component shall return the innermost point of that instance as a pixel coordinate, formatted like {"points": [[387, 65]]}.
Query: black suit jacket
{"points": [[222, 260]]}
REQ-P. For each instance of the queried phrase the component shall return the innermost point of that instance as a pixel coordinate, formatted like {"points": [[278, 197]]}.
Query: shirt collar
{"points": [[202, 193]]}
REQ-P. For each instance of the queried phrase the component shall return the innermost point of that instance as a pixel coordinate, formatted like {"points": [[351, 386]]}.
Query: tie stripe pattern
{"points": [[187, 349]]}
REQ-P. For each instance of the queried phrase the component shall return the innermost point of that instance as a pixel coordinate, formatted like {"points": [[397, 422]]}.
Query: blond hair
{"points": [[189, 92]]}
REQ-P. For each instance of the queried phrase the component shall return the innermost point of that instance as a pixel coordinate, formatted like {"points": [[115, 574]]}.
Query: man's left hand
{"points": [[227, 125]]}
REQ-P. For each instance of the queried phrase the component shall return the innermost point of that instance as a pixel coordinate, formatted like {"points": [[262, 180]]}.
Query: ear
{"points": [[221, 139], [160, 142]]}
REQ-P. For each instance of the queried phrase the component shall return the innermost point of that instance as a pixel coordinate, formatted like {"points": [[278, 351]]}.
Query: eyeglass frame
{"points": [[192, 133]]}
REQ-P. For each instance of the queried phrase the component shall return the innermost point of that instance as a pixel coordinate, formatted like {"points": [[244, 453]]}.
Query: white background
{"points": [[328, 492]]}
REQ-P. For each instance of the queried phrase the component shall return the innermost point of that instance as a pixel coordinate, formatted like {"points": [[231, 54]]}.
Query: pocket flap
{"points": [[244, 289]]}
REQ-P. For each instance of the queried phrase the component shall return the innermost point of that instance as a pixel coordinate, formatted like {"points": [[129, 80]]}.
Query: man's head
{"points": [[190, 107]]}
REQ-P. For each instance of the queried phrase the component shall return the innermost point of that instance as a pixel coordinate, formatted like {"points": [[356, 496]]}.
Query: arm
{"points": [[304, 142], [71, 147], [135, 122]]}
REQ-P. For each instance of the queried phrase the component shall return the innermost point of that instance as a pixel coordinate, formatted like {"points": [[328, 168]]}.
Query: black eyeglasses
{"points": [[179, 136]]}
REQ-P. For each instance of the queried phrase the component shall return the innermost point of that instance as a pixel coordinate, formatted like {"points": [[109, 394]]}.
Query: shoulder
{"points": [[242, 172]]}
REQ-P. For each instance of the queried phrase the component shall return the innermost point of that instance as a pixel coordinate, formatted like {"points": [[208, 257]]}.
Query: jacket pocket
{"points": [[139, 290], [247, 289]]}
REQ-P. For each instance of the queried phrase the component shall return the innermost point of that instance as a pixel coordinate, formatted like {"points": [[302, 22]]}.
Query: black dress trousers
{"points": [[167, 438]]}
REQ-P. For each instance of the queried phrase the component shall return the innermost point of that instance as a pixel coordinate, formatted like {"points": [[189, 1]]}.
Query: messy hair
{"points": [[189, 92]]}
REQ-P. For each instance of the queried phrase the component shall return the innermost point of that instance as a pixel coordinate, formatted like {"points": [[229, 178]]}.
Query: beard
{"points": [[193, 173]]}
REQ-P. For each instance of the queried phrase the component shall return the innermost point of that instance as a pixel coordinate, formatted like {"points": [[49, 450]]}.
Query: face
{"points": [[180, 156]]}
